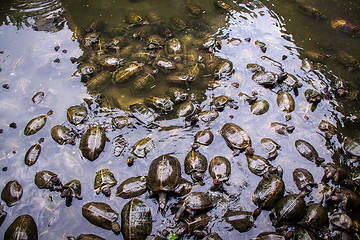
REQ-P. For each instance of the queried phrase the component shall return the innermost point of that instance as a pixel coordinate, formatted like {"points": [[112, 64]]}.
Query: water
{"points": [[27, 65]]}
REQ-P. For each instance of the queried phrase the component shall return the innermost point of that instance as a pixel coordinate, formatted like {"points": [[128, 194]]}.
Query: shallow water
{"points": [[27, 65]]}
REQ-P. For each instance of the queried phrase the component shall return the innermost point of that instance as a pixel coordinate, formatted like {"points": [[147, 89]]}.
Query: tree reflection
{"points": [[42, 15]]}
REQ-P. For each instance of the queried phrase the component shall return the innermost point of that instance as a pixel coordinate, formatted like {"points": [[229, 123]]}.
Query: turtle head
{"points": [[115, 227], [106, 191]]}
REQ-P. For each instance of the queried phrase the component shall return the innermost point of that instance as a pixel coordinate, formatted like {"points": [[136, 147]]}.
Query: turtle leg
{"points": [[180, 212]]}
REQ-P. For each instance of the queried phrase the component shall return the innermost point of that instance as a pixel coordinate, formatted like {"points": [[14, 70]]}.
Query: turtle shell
{"points": [[260, 107], [235, 137], [92, 142], [100, 214], [75, 187], [42, 178], [164, 174], [269, 144], [104, 177], [316, 216], [136, 220], [258, 165], [62, 135], [266, 79], [306, 150], [268, 192], [35, 125], [212, 236], [12, 193], [351, 146], [76, 114], [142, 147], [32, 154], [198, 201], [269, 236], [23, 227], [195, 162], [132, 187], [220, 168], [208, 116], [242, 221], [285, 102], [302, 233], [204, 137], [288, 210], [302, 178], [88, 237]]}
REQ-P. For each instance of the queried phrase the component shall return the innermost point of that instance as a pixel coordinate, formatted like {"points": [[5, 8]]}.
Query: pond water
{"points": [[40, 38]]}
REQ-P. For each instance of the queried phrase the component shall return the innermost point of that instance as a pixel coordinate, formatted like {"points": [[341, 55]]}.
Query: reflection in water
{"points": [[199, 59], [45, 13]]}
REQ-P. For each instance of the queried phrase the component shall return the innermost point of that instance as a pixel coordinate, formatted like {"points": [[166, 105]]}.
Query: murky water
{"points": [[27, 66]]}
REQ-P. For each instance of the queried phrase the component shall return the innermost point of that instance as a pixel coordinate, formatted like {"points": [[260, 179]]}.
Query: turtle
{"points": [[70, 190], [104, 180], [47, 180], [164, 177], [102, 215], [195, 201], [236, 138], [195, 165]]}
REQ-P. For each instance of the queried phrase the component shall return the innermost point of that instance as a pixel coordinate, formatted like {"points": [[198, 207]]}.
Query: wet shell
{"points": [[224, 70], [32, 155], [235, 137], [204, 137], [164, 174], [258, 165], [92, 142], [43, 178], [121, 121], [220, 168], [269, 144], [351, 146], [88, 237], [100, 214], [76, 114], [136, 220], [23, 227], [194, 163], [186, 109], [269, 236], [260, 107], [345, 26], [208, 116], [143, 83], [38, 97], [240, 220], [266, 79], [174, 46], [75, 187], [268, 192], [212, 236], [62, 135], [123, 74], [143, 147], [302, 178], [104, 178], [254, 67], [316, 216], [35, 125], [288, 210], [142, 113], [285, 102], [12, 193], [132, 187], [325, 126], [306, 150]]}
